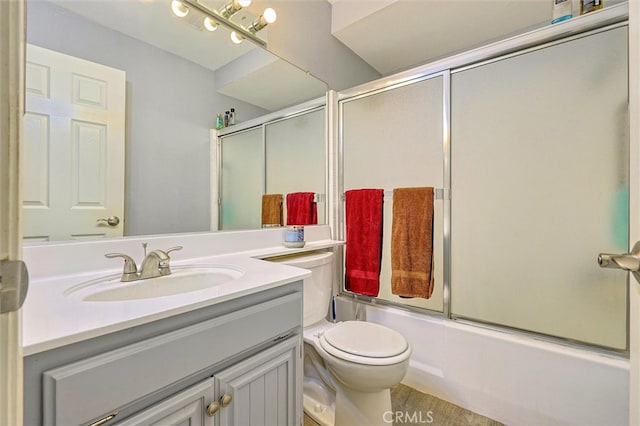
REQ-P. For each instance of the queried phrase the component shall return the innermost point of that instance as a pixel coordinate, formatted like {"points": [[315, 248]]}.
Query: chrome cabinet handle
{"points": [[111, 220], [627, 261]]}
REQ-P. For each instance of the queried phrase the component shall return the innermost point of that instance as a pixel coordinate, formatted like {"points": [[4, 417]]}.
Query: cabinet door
{"points": [[264, 389], [185, 408]]}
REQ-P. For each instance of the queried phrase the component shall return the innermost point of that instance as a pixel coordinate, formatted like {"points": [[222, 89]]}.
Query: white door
{"points": [[74, 131], [11, 108]]}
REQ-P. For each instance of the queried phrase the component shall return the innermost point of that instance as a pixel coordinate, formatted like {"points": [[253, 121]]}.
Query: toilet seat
{"points": [[365, 343]]}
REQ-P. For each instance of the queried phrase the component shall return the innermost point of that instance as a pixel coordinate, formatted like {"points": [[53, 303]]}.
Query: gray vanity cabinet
{"points": [[257, 391], [186, 408], [234, 363], [260, 390]]}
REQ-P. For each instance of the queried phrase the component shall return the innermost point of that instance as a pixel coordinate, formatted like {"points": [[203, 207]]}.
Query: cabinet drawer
{"points": [[84, 390]]}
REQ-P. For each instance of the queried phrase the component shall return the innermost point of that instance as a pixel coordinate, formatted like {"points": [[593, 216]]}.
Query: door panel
{"points": [[262, 390], [74, 147], [294, 151], [242, 181], [540, 186]]}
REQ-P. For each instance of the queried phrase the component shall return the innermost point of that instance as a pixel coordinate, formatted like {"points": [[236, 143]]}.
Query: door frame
{"points": [[634, 208], [12, 57]]}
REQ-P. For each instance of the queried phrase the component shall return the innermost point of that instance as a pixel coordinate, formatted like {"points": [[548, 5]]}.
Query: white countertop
{"points": [[51, 319]]}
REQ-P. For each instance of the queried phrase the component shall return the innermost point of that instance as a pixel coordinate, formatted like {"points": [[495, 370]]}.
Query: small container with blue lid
{"points": [[294, 236]]}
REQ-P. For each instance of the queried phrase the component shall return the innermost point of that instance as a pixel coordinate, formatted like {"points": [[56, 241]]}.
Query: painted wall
{"points": [[171, 105], [302, 35]]}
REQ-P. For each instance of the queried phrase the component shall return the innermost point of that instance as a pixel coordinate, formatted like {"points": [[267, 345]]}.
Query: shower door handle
{"points": [[627, 262]]}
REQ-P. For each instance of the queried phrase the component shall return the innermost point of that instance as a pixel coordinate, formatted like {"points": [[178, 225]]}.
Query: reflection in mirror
{"points": [[173, 77], [281, 157]]}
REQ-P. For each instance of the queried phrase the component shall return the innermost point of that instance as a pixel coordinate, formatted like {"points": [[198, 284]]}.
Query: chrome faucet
{"points": [[155, 264]]}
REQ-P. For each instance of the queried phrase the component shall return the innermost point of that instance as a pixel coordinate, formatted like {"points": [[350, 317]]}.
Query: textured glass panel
{"points": [[296, 157], [391, 140], [540, 187], [242, 180]]}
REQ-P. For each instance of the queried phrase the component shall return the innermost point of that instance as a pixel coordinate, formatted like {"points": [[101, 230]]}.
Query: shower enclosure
{"points": [[528, 142], [280, 153]]}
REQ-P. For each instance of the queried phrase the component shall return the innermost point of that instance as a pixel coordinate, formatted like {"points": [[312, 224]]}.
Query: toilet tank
{"points": [[317, 288]]}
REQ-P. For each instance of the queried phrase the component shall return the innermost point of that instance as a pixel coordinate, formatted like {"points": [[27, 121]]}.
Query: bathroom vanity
{"points": [[238, 360], [227, 355]]}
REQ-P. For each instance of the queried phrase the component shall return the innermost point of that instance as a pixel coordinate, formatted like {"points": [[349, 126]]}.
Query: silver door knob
{"points": [[111, 220], [627, 261]]}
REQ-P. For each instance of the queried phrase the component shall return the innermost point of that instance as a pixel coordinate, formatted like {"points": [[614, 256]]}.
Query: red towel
{"points": [[364, 240], [301, 209]]}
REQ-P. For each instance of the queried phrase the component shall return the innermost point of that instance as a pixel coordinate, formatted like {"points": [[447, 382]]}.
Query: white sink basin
{"points": [[182, 280]]}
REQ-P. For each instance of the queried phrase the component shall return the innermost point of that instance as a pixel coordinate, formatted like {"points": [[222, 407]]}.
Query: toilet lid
{"points": [[366, 339]]}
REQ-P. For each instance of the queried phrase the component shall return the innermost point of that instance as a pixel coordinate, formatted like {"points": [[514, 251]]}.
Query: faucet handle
{"points": [[129, 264], [176, 248], [163, 263]]}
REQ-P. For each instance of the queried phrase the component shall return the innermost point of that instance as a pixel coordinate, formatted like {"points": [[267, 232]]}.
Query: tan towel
{"points": [[272, 210], [412, 242]]}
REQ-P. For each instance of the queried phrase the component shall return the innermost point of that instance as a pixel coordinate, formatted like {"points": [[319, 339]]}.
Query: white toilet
{"points": [[350, 366]]}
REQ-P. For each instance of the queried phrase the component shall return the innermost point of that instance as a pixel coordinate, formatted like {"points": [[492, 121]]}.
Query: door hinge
{"points": [[14, 282]]}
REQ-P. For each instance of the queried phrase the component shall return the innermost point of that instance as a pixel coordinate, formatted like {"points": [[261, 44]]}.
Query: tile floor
{"points": [[415, 408]]}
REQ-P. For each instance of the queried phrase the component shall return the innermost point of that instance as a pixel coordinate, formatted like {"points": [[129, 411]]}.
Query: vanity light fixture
{"points": [[179, 9], [232, 7], [210, 24], [269, 16], [214, 18]]}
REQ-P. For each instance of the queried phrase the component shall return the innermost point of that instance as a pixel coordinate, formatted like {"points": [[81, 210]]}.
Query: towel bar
{"points": [[439, 194]]}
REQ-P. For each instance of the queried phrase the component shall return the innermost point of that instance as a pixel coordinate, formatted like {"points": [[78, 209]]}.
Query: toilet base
{"points": [[321, 413], [354, 408], [351, 408]]}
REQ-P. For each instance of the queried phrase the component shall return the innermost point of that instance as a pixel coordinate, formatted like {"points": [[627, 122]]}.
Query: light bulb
{"points": [[269, 15], [236, 38], [232, 7], [179, 9], [210, 24]]}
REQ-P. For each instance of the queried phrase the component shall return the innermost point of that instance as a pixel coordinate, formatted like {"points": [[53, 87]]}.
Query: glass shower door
{"points": [[295, 156], [540, 186], [242, 180]]}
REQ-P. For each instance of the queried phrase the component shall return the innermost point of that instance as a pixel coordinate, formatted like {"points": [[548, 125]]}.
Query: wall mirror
{"points": [[177, 76]]}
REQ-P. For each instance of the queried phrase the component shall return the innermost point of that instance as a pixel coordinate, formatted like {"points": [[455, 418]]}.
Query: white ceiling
{"points": [[390, 35]]}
